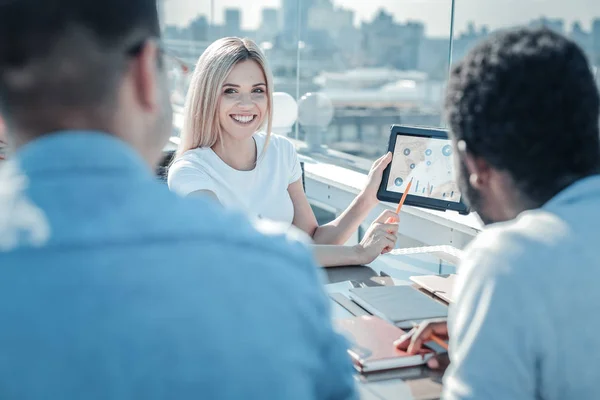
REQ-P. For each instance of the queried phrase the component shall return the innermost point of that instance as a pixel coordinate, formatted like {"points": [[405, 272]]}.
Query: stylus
{"points": [[391, 220], [403, 197]]}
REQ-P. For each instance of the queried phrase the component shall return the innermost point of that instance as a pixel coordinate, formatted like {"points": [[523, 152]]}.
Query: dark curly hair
{"points": [[525, 100]]}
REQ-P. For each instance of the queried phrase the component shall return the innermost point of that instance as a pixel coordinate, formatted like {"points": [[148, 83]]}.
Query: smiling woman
{"points": [[242, 109], [220, 82], [227, 152]]}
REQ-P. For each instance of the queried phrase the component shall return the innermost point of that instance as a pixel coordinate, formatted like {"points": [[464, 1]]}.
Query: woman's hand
{"points": [[369, 193], [380, 238]]}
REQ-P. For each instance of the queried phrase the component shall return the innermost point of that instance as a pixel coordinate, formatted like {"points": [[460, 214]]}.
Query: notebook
{"points": [[439, 285], [372, 345], [401, 305]]}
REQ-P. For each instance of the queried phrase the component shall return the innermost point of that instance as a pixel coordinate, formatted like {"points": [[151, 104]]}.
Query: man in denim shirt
{"points": [[111, 287]]}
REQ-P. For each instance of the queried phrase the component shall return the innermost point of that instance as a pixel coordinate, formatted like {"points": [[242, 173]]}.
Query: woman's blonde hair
{"points": [[201, 127]]}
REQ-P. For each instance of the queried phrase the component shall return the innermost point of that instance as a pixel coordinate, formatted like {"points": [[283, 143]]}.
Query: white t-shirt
{"points": [[259, 193]]}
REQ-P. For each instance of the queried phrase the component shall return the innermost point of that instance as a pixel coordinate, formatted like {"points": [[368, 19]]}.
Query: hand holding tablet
{"points": [[422, 170]]}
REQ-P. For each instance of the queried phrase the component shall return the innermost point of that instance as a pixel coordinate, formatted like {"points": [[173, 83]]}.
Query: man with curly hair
{"points": [[523, 115]]}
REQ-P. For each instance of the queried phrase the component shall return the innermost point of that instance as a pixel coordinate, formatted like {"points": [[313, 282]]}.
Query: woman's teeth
{"points": [[244, 119]]}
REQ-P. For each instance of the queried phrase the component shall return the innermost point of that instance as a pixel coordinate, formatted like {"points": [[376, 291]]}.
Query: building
{"points": [[233, 22], [557, 25], [582, 38], [433, 57], [294, 20], [269, 25], [467, 40], [330, 26], [269, 19], [198, 29], [324, 16], [386, 43]]}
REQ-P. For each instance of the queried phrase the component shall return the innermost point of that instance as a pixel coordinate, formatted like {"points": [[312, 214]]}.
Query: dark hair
{"points": [[525, 100], [67, 55]]}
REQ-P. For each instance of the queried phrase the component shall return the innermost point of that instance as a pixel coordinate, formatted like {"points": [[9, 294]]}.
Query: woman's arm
{"points": [[335, 256], [380, 238], [338, 231]]}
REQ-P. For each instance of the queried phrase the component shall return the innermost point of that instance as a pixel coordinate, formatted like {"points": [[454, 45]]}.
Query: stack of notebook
{"points": [[372, 347]]}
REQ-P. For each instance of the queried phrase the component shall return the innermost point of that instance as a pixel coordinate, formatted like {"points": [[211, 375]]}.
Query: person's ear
{"points": [[477, 168], [145, 72]]}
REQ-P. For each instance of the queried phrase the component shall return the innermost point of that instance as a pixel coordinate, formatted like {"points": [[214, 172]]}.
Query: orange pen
{"points": [[439, 341], [403, 197], [389, 220]]}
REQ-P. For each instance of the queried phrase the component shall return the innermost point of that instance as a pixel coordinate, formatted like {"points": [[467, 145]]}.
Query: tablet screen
{"points": [[429, 163]]}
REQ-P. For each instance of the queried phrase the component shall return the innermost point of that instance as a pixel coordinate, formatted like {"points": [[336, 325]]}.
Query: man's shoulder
{"points": [[213, 234], [518, 247], [534, 230], [143, 213]]}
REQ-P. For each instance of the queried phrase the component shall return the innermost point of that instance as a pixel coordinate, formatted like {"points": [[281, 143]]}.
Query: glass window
{"points": [[371, 64], [577, 19], [189, 27], [353, 66]]}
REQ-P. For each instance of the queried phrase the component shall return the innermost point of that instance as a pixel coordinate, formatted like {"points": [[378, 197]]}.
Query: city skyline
{"points": [[434, 14], [375, 73]]}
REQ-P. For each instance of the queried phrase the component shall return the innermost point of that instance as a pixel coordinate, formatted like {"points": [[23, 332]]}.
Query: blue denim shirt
{"points": [[111, 287]]}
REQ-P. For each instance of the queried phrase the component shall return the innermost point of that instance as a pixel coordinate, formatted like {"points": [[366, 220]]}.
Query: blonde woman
{"points": [[227, 152]]}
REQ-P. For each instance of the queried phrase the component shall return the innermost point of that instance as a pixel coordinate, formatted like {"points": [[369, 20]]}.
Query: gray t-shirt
{"points": [[526, 322]]}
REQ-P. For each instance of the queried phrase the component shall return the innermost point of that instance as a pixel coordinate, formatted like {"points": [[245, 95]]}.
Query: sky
{"points": [[434, 13]]}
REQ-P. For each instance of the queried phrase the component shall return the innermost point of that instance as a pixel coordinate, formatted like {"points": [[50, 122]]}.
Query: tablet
{"points": [[424, 155]]}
